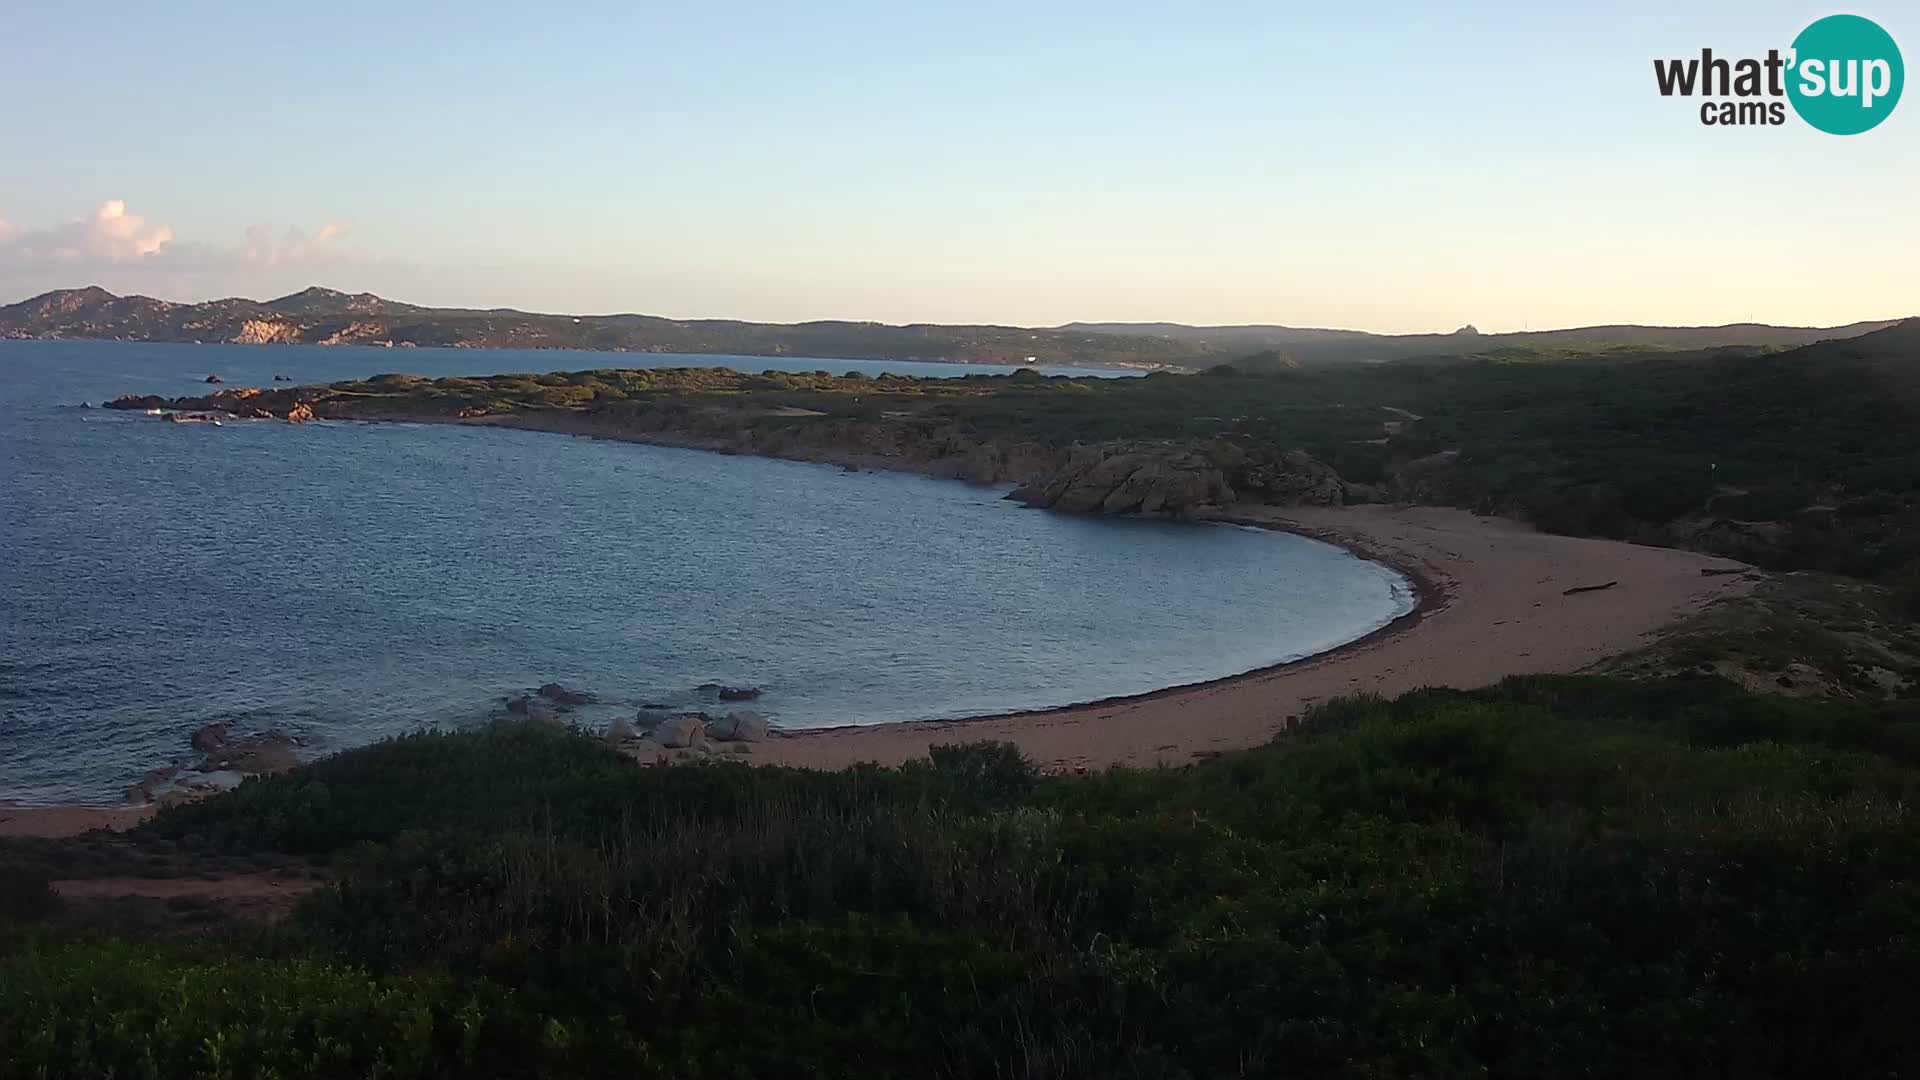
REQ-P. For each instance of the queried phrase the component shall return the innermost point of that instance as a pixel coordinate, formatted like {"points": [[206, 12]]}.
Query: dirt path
{"points": [[249, 897]]}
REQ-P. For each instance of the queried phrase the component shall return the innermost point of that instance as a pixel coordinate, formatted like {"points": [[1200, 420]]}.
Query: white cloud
{"points": [[109, 235], [114, 234], [295, 245], [124, 250]]}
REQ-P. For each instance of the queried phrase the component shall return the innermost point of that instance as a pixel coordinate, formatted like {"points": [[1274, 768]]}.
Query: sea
{"points": [[345, 581]]}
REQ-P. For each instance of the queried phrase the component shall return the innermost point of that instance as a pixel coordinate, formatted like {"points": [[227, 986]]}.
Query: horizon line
{"points": [[1461, 331]]}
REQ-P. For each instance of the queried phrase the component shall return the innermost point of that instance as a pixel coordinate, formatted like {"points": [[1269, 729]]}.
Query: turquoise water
{"points": [[345, 581]]}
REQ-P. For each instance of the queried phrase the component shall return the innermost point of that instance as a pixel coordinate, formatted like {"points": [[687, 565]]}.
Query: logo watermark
{"points": [[1843, 75]]}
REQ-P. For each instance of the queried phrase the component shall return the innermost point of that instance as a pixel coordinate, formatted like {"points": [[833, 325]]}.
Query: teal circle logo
{"points": [[1846, 74]]}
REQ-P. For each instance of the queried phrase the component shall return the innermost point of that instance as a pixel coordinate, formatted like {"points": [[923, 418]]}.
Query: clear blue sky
{"points": [[1391, 167]]}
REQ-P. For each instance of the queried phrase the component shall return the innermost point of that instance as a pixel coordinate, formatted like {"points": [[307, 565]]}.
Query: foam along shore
{"points": [[1495, 602]]}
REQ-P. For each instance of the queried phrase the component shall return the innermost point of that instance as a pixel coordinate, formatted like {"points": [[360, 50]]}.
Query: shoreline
{"points": [[1236, 711], [1482, 616], [1429, 597]]}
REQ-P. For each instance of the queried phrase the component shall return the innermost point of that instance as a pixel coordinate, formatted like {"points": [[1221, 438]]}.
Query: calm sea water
{"points": [[346, 581]]}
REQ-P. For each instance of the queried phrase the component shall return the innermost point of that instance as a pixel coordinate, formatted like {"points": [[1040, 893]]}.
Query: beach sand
{"points": [[1493, 604], [56, 821]]}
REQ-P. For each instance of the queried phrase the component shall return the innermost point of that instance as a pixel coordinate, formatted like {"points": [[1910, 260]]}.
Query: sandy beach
{"points": [[1494, 604]]}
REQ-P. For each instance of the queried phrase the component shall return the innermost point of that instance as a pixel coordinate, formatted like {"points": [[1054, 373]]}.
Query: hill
{"points": [[1284, 345], [317, 316]]}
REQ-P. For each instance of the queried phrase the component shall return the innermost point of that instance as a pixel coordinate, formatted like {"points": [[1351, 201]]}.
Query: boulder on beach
{"points": [[652, 717], [743, 726], [686, 730], [562, 695], [619, 731]]}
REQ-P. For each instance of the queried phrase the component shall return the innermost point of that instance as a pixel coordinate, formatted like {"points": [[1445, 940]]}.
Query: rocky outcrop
{"points": [[1294, 478], [742, 726], [685, 731], [300, 413], [1181, 480], [1187, 478], [253, 755], [221, 751], [1424, 479], [209, 738], [533, 708], [647, 720], [562, 695], [266, 332], [358, 332], [1163, 479]]}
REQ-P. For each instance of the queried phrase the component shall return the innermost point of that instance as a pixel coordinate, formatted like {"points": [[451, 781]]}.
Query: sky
{"points": [[1388, 167]]}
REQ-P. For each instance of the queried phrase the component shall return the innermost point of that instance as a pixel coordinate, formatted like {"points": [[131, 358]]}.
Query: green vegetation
{"points": [[1808, 459], [1806, 634], [1556, 876]]}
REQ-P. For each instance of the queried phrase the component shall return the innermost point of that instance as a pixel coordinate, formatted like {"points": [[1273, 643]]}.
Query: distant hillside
{"points": [[319, 316], [324, 317], [1290, 346]]}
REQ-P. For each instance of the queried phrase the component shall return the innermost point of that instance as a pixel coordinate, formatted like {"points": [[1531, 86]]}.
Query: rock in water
{"points": [[679, 732], [266, 752], [210, 739], [562, 695], [740, 693], [300, 413], [213, 378]]}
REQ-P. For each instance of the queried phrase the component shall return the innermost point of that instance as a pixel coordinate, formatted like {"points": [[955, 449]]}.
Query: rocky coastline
{"points": [[1191, 479]]}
